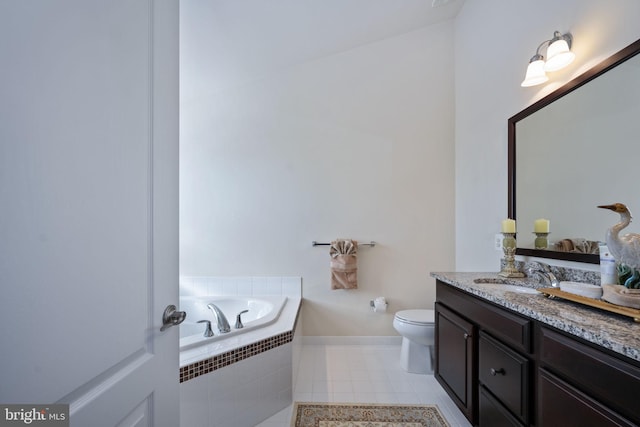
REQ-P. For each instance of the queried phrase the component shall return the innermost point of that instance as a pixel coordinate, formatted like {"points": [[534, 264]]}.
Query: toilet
{"points": [[417, 328]]}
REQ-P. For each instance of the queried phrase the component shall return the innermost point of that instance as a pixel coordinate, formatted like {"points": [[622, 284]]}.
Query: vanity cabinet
{"points": [[526, 373], [496, 344]]}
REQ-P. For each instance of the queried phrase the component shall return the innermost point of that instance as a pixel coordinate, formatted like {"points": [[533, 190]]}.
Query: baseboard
{"points": [[352, 340]]}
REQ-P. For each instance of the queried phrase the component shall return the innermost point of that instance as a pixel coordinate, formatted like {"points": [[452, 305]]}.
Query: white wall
{"points": [[358, 144], [355, 144], [494, 41]]}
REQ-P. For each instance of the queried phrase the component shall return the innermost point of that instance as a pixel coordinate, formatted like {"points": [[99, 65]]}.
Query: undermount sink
{"points": [[506, 285], [520, 289]]}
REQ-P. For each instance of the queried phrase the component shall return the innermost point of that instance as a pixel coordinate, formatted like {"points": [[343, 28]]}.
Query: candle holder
{"points": [[541, 242], [509, 248]]}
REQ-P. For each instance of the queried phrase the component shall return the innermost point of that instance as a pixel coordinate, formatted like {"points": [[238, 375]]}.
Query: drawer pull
{"points": [[466, 336], [495, 372]]}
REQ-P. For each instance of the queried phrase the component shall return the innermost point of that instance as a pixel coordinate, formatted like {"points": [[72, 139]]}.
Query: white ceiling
{"points": [[237, 39]]}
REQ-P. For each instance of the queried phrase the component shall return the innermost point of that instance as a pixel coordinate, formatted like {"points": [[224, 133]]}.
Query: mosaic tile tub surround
{"points": [[211, 357], [210, 364]]}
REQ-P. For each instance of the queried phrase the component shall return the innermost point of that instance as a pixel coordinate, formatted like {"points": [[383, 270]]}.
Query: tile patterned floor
{"points": [[362, 373]]}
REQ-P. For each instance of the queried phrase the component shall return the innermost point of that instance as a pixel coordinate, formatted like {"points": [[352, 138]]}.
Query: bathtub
{"points": [[262, 311], [222, 377]]}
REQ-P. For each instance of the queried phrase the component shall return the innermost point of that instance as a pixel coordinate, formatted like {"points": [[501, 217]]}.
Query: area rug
{"points": [[316, 414]]}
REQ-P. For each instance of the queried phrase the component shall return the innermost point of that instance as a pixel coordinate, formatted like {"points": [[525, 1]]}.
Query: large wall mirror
{"points": [[575, 149]]}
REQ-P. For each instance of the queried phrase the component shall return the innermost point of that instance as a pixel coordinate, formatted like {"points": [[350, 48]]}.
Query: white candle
{"points": [[508, 225], [541, 225]]}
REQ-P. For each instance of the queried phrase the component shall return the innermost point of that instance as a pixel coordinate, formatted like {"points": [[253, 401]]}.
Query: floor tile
{"points": [[362, 374]]}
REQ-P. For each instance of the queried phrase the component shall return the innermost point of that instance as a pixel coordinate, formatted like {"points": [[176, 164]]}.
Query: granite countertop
{"points": [[614, 332]]}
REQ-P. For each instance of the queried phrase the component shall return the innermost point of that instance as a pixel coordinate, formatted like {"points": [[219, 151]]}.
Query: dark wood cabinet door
{"points": [[455, 365]]}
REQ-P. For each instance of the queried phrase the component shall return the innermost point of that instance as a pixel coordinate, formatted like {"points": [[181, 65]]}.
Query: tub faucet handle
{"points": [[208, 332], [239, 324]]}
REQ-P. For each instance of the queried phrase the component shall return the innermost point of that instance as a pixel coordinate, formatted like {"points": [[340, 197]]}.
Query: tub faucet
{"points": [[221, 320], [207, 332], [543, 271]]}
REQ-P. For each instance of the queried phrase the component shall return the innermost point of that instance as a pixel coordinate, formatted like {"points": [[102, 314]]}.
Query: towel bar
{"points": [[314, 243]]}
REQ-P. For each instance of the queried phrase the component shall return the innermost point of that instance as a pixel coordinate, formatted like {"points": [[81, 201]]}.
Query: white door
{"points": [[89, 208]]}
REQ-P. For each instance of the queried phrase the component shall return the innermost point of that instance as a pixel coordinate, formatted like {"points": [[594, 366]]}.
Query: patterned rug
{"points": [[315, 414]]}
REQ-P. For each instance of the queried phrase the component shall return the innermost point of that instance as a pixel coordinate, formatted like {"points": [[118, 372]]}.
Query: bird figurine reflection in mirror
{"points": [[625, 249]]}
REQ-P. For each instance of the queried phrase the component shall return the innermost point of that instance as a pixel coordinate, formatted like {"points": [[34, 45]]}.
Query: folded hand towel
{"points": [[344, 268], [578, 245]]}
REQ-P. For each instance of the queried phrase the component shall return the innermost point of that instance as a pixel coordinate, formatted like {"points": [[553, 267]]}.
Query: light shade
{"points": [[535, 72], [558, 55]]}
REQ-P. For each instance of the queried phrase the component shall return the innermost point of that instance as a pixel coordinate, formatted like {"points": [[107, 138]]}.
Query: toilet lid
{"points": [[420, 316]]}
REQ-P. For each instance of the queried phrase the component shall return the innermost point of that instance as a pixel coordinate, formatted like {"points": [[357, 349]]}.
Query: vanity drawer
{"points": [[608, 379], [560, 404], [505, 374], [514, 330], [493, 414]]}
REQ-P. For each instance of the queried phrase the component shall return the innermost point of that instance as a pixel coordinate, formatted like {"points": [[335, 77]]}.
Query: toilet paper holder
{"points": [[379, 305]]}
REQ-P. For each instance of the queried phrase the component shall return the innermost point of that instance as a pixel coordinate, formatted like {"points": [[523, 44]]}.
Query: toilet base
{"points": [[416, 358]]}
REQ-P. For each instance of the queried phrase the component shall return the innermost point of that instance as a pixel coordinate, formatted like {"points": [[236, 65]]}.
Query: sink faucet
{"points": [[221, 320], [543, 271]]}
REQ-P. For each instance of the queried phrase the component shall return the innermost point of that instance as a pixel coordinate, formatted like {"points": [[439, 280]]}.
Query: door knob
{"points": [[172, 317]]}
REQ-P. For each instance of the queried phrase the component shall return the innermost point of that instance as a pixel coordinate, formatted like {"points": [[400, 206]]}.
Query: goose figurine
{"points": [[625, 249]]}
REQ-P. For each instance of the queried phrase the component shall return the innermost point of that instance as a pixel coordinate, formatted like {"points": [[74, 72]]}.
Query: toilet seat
{"points": [[416, 317]]}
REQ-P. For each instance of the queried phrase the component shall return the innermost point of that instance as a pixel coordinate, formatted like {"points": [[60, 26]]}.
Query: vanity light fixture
{"points": [[559, 55]]}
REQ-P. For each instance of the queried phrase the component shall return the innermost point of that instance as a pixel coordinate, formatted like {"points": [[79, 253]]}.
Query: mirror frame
{"points": [[613, 61]]}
